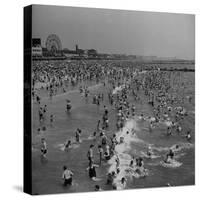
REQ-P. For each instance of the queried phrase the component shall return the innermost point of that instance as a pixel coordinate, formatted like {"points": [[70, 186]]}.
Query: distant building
{"points": [[70, 53], [92, 53], [36, 47], [36, 42]]}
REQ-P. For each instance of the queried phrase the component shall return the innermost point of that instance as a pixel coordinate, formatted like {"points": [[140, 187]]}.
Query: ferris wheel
{"points": [[53, 43]]}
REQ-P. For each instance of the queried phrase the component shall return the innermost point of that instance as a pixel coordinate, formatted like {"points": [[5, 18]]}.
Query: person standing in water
{"points": [[51, 120], [98, 125], [90, 153], [43, 147], [92, 170], [67, 176], [77, 135], [188, 136], [149, 151], [100, 154], [123, 183], [169, 156], [68, 106]]}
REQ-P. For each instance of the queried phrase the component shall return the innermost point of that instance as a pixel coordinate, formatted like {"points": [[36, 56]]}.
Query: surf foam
{"points": [[122, 153]]}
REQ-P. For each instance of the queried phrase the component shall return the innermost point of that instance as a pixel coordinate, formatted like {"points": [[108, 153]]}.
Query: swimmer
{"points": [[169, 156], [68, 144], [167, 159], [171, 153]]}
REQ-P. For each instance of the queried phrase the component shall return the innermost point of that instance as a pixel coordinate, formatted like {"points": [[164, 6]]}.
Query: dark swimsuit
{"points": [[92, 172]]}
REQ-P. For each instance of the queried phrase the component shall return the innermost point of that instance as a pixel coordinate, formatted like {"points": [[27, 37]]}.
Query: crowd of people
{"points": [[128, 85]]}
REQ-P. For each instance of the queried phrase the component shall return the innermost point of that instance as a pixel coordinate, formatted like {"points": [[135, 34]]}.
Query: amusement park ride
{"points": [[53, 44]]}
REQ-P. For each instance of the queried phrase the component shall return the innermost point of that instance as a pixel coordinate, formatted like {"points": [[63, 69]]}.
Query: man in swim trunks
{"points": [[67, 176], [90, 153]]}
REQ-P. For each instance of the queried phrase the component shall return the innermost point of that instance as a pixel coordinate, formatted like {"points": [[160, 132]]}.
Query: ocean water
{"points": [[85, 115]]}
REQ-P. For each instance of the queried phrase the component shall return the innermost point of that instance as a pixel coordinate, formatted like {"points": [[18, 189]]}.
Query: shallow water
{"points": [[84, 115]]}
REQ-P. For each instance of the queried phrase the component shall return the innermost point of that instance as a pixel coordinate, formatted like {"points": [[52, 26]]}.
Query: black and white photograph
{"points": [[112, 99]]}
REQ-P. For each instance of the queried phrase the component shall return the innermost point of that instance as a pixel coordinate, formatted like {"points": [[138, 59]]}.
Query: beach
{"points": [[46, 173]]}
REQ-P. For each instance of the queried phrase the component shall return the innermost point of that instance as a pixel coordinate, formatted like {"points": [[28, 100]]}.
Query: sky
{"points": [[117, 31]]}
